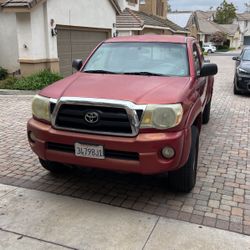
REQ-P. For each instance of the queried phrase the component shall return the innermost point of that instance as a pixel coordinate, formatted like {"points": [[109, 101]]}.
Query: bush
{"points": [[223, 47], [33, 82], [8, 83], [3, 73]]}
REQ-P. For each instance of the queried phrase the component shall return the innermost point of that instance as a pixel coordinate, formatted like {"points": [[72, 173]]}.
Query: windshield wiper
{"points": [[99, 71], [144, 73]]}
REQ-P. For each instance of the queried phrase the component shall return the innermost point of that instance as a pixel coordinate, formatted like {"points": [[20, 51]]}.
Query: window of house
{"points": [[142, 1]]}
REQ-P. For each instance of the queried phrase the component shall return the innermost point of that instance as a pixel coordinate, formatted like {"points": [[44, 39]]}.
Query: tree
{"points": [[218, 37], [169, 9], [225, 13]]}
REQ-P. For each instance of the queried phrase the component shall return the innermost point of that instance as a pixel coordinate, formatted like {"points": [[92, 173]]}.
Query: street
{"points": [[221, 198]]}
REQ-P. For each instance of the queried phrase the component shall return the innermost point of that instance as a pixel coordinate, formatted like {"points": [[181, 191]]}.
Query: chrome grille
{"points": [[119, 118]]}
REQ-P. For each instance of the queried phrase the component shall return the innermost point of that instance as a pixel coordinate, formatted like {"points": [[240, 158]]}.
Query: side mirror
{"points": [[77, 64], [236, 58], [208, 69]]}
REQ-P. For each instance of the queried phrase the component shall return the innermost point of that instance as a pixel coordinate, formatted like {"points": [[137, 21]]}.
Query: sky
{"points": [[204, 4]]}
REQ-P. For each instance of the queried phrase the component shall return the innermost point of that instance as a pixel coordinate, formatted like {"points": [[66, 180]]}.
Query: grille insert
{"points": [[111, 120]]}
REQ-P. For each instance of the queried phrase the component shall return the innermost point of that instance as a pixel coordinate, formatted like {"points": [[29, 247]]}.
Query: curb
{"points": [[17, 92]]}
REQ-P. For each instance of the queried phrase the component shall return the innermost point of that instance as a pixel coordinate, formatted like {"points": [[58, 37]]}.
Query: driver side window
{"points": [[197, 62]]}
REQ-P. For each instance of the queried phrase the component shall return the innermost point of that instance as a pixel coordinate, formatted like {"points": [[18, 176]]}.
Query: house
{"points": [[50, 33], [154, 7], [243, 20], [207, 27], [8, 41], [186, 20], [147, 17], [202, 26]]}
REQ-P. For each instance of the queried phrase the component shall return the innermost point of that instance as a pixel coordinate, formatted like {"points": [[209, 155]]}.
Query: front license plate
{"points": [[89, 151]]}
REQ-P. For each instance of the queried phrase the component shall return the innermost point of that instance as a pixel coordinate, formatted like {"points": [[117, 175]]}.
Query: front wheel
{"points": [[184, 179], [236, 91], [54, 167]]}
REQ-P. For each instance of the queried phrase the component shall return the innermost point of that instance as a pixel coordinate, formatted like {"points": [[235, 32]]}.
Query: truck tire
{"points": [[54, 167], [206, 113], [184, 179]]}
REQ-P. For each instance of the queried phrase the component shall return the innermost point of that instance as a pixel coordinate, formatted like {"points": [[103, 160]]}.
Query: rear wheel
{"points": [[206, 113], [54, 167], [209, 51], [184, 179]]}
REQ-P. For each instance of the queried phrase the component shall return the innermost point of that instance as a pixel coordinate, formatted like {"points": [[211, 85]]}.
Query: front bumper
{"points": [[147, 146], [243, 83]]}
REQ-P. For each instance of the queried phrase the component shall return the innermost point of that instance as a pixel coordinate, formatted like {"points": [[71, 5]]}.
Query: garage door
{"points": [[246, 40], [73, 43]]}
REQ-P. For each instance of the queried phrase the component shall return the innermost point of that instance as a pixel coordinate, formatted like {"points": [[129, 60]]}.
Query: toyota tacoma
{"points": [[136, 104]]}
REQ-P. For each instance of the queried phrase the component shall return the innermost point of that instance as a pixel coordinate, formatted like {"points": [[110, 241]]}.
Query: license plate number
{"points": [[89, 151]]}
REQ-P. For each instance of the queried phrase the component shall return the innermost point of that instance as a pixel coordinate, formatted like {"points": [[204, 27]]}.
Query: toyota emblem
{"points": [[91, 117]]}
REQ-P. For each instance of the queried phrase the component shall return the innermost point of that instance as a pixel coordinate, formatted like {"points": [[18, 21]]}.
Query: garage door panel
{"points": [[247, 40], [74, 43]]}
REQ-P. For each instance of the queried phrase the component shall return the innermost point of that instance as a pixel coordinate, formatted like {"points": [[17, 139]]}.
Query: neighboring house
{"points": [[233, 34], [201, 25], [243, 20], [50, 33], [147, 17], [8, 42], [154, 7], [207, 27], [186, 20]]}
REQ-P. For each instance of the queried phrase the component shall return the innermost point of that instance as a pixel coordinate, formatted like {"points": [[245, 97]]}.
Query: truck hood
{"points": [[137, 89]]}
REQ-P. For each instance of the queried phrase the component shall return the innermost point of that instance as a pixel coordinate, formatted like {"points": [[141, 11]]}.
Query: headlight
{"points": [[242, 71], [162, 116], [41, 107]]}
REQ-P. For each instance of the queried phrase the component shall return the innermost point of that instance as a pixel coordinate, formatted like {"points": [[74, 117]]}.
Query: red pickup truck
{"points": [[136, 104]]}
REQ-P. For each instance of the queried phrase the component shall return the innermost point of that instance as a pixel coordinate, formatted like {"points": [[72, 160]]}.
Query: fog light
{"points": [[168, 152], [32, 137]]}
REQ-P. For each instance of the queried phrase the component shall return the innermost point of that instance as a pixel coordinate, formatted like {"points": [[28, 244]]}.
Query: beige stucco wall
{"points": [[8, 42], [37, 46], [82, 13]]}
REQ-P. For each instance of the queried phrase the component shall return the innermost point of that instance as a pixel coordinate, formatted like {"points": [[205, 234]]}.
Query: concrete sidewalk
{"points": [[37, 220]]}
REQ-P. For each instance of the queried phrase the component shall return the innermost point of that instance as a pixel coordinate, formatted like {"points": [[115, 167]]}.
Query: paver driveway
{"points": [[220, 199]]}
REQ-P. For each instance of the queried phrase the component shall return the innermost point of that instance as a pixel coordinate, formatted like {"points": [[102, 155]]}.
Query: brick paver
{"points": [[220, 199]]}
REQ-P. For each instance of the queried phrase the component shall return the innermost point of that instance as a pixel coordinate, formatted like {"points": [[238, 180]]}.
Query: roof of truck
{"points": [[152, 38]]}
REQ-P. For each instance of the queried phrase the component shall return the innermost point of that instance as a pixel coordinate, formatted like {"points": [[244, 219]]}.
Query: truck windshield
{"points": [[137, 58]]}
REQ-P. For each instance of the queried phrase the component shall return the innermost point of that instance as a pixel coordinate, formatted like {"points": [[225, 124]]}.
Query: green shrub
{"points": [[33, 82], [8, 83], [37, 81], [3, 73], [223, 47]]}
